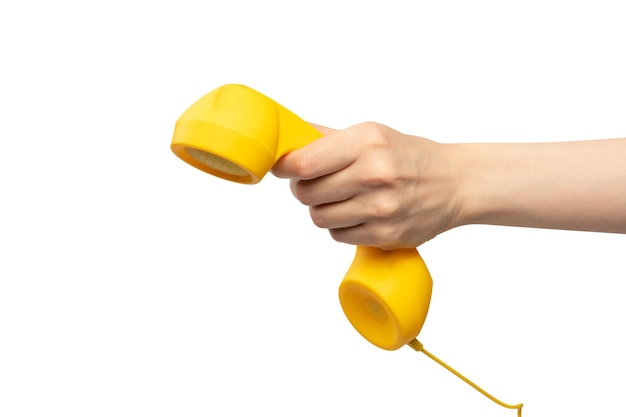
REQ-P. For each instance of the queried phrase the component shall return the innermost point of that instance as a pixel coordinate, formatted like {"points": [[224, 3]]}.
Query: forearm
{"points": [[562, 185]]}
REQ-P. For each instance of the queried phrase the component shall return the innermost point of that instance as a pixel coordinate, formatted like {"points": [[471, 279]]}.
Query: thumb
{"points": [[284, 167]]}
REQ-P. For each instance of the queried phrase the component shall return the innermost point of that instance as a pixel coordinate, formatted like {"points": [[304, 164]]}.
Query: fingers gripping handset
{"points": [[238, 134]]}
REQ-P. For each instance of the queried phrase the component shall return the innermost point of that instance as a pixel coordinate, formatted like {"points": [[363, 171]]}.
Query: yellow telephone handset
{"points": [[238, 134]]}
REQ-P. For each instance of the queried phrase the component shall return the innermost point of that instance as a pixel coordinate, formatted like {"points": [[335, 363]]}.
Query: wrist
{"points": [[474, 195], [444, 167]]}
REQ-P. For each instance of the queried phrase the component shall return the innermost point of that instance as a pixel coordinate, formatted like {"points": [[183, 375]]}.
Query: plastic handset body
{"points": [[238, 134], [386, 295]]}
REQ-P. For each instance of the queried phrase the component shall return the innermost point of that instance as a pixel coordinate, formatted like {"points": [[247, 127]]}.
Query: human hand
{"points": [[370, 185]]}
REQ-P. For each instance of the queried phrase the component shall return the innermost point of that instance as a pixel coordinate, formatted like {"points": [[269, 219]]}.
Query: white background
{"points": [[134, 285]]}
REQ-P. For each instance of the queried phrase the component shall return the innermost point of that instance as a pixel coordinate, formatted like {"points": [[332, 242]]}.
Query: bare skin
{"points": [[370, 185]]}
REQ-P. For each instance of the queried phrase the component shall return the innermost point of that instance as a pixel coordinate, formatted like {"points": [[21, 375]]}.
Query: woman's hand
{"points": [[370, 185]]}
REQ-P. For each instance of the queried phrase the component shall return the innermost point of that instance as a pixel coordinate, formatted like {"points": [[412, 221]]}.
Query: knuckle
{"points": [[339, 235], [386, 208], [302, 192], [304, 167], [375, 134], [384, 235], [317, 217], [381, 173]]}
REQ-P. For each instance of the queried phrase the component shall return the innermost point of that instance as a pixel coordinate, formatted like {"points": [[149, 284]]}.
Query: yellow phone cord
{"points": [[416, 345]]}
